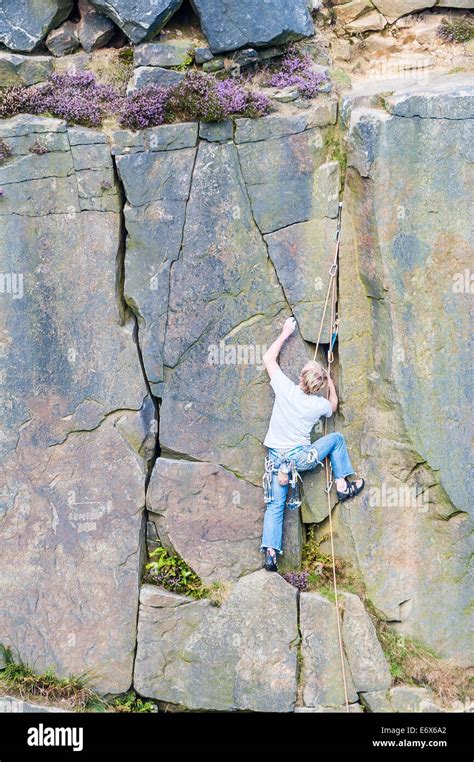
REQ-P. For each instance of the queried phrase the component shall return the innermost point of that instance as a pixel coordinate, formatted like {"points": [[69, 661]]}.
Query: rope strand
{"points": [[331, 296]]}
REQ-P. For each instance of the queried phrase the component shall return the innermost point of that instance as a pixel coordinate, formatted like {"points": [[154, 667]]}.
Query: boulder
{"points": [[238, 656], [153, 75], [229, 25], [367, 23], [164, 54], [405, 699], [23, 25], [64, 40], [410, 529], [369, 668], [73, 495], [138, 19], [94, 29], [16, 69], [321, 673], [347, 12], [212, 519], [393, 9]]}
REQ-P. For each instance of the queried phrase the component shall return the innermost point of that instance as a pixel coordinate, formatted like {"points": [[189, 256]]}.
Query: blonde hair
{"points": [[313, 377]]}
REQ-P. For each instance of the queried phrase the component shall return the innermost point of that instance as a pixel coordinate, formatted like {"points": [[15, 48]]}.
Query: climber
{"points": [[289, 450]]}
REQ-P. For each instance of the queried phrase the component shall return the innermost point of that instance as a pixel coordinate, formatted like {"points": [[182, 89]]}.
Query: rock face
{"points": [[23, 25], [211, 518], [229, 25], [321, 672], [72, 496], [23, 70], [209, 299], [138, 19], [205, 657], [369, 668], [404, 336]]}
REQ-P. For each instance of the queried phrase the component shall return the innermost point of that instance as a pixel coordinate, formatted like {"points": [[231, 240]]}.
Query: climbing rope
{"points": [[331, 299]]}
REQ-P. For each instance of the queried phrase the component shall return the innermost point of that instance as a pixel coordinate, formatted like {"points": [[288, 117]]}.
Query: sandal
{"points": [[352, 490]]}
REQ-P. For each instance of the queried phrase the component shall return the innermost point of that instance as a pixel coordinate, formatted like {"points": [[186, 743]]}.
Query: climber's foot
{"points": [[270, 561], [352, 489]]}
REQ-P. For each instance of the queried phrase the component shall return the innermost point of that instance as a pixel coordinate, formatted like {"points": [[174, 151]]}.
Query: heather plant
{"points": [[12, 101], [196, 97], [201, 96], [144, 108], [5, 151], [38, 147], [75, 97], [80, 99], [296, 70], [236, 99]]}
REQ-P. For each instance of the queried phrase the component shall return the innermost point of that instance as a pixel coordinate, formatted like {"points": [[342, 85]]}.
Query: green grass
{"points": [[72, 693]]}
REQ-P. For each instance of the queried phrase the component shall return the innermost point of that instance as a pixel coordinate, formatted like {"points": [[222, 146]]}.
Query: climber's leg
{"points": [[334, 446], [273, 520]]}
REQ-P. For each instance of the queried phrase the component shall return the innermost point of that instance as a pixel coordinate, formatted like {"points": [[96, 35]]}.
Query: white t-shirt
{"points": [[294, 414]]}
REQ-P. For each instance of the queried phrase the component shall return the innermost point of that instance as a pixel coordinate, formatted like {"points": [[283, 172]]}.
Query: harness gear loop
{"points": [[331, 298]]}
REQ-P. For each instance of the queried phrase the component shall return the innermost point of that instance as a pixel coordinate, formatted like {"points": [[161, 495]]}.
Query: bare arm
{"points": [[332, 394], [270, 356]]}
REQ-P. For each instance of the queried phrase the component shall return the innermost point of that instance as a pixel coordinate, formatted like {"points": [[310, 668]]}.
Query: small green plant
{"points": [[126, 55], [336, 151], [130, 702], [184, 65], [456, 30], [173, 573]]}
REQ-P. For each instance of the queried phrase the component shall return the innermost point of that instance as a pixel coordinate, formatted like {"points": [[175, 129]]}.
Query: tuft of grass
{"points": [[71, 692], [413, 662], [113, 67], [172, 573], [219, 592]]}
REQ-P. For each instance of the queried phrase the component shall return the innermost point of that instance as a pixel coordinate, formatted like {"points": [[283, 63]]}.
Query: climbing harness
{"points": [[283, 465], [331, 299]]}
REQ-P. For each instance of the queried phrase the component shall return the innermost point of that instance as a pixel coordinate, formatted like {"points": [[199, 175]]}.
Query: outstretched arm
{"points": [[270, 356]]}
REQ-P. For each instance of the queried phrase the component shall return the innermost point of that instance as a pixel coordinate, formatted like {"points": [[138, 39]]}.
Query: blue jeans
{"points": [[294, 460]]}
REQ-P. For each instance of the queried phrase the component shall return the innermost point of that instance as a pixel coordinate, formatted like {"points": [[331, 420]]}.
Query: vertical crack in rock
{"points": [[126, 313], [246, 191]]}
